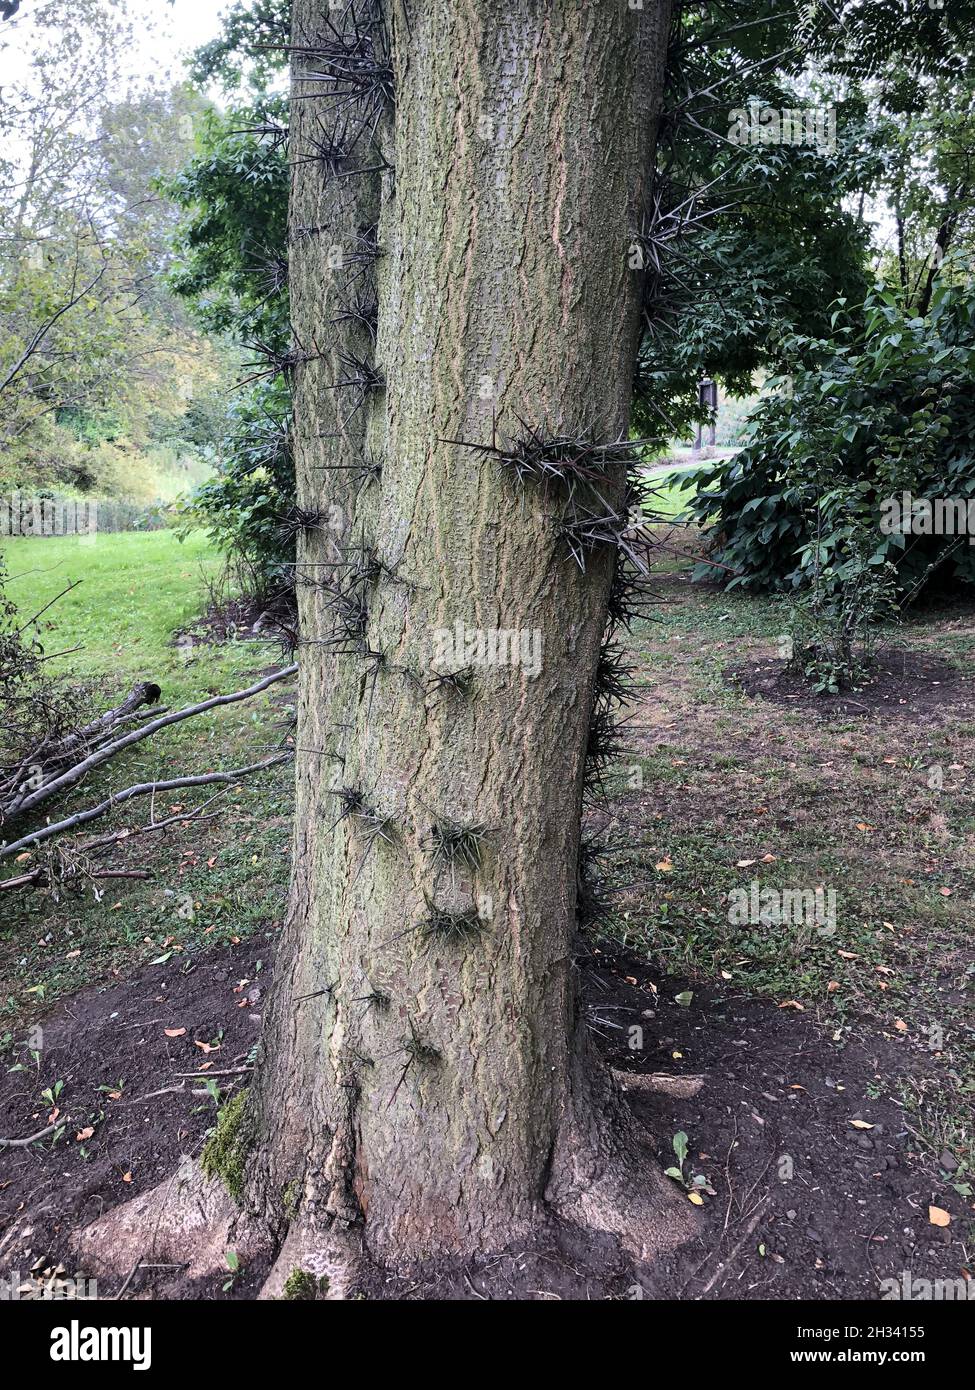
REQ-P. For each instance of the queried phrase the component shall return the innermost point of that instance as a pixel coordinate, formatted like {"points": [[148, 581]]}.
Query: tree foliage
{"points": [[97, 358], [881, 408], [232, 269]]}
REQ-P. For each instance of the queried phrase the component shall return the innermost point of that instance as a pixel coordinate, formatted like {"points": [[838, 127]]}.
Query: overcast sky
{"points": [[171, 32], [184, 25]]}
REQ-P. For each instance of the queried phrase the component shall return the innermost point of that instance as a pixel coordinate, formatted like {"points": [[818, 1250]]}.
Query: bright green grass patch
{"points": [[211, 883], [137, 588]]}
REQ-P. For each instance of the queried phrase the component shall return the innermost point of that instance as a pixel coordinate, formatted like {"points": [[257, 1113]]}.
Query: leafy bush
{"points": [[881, 409], [232, 268], [834, 620], [242, 507]]}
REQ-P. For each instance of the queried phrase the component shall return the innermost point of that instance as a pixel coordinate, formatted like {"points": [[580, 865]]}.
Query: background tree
{"points": [[93, 349]]}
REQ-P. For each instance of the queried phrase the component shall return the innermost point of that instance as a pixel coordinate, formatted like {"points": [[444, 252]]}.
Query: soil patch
{"points": [[909, 685], [110, 1049]]}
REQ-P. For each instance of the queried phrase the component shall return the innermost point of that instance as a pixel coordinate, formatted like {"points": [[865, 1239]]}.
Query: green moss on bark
{"points": [[300, 1286], [225, 1151]]}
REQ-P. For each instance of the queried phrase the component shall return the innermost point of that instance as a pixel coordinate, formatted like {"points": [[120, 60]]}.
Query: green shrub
{"points": [[876, 412], [835, 619]]}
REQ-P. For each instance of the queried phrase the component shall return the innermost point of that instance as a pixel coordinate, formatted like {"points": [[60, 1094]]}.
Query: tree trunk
{"points": [[425, 1070]]}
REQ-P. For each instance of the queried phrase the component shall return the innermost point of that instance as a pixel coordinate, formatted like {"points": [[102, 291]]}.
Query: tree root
{"points": [[629, 1197], [332, 1257], [604, 1173], [187, 1220]]}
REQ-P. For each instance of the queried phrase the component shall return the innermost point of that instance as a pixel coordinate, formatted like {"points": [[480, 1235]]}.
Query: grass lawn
{"points": [[136, 589], [210, 882]]}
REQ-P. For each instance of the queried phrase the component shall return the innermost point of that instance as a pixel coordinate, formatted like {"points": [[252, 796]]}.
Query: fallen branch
{"points": [[41, 873], [36, 877], [204, 779], [27, 802]]}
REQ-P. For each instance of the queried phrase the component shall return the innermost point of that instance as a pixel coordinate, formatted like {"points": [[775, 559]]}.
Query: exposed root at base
{"points": [[605, 1174], [633, 1201], [661, 1083], [332, 1258], [188, 1220]]}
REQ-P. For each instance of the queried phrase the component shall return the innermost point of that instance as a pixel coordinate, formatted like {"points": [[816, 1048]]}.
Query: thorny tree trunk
{"points": [[437, 1086]]}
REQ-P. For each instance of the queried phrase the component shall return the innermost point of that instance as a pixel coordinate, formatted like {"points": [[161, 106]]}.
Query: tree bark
{"points": [[425, 1068]]}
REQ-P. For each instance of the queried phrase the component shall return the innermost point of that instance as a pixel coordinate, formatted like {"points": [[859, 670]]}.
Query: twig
{"points": [[74, 774], [205, 1075], [31, 1138]]}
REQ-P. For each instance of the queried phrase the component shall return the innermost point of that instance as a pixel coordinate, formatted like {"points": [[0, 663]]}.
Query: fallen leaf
{"points": [[938, 1216], [126, 1177], [684, 998], [769, 858], [205, 1046], [847, 955], [793, 1004], [696, 1198], [860, 1124], [746, 863], [174, 1032], [946, 892], [832, 987], [73, 955], [900, 1025], [85, 1133], [665, 866]]}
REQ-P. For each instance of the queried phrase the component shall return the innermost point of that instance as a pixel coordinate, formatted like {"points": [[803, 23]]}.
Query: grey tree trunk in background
{"points": [[425, 1071]]}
